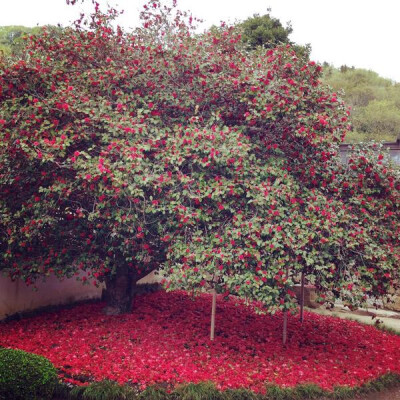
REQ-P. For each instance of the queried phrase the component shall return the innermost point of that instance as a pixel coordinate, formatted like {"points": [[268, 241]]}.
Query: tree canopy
{"points": [[124, 151], [266, 31]]}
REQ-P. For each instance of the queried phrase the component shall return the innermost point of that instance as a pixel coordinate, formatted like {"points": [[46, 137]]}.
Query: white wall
{"points": [[16, 296]]}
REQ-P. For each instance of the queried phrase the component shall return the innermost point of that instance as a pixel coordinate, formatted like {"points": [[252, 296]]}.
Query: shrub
{"points": [[26, 376]]}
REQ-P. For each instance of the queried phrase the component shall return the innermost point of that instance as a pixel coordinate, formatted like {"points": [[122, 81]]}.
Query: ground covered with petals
{"points": [[166, 340]]}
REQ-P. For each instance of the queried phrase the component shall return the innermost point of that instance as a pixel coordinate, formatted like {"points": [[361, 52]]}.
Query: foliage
{"points": [[265, 31], [79, 189], [375, 102], [166, 343], [268, 32], [369, 185], [11, 38], [24, 375], [123, 151], [380, 119], [271, 211]]}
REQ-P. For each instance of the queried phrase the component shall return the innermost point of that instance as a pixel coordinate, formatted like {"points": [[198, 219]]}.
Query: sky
{"points": [[360, 33]]}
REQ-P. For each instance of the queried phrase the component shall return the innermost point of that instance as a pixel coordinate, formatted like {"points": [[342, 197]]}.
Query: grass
{"points": [[104, 390], [108, 390], [200, 391], [384, 328]]}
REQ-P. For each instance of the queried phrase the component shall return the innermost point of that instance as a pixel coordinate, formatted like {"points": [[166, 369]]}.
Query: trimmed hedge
{"points": [[26, 376]]}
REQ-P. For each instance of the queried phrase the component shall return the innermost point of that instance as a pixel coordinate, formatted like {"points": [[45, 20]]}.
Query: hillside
{"points": [[374, 102], [10, 37]]}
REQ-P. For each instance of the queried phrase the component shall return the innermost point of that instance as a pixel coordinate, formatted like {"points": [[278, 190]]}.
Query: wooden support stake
{"points": [[285, 316], [302, 297], [214, 304], [284, 336]]}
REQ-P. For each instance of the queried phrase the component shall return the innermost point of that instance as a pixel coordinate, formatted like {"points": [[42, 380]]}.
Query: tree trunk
{"points": [[119, 292]]}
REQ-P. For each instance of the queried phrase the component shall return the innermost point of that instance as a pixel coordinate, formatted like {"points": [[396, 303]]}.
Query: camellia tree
{"points": [[123, 152]]}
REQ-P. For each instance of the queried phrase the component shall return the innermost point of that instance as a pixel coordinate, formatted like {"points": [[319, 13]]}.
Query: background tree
{"points": [[268, 32], [265, 31]]}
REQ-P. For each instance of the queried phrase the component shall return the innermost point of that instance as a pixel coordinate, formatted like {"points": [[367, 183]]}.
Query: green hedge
{"points": [[26, 376]]}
